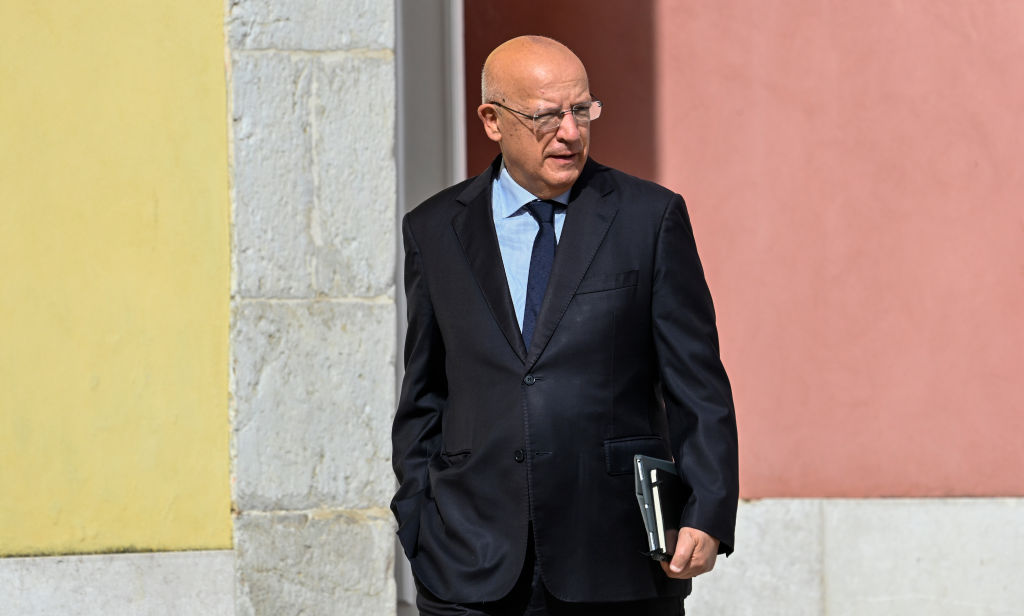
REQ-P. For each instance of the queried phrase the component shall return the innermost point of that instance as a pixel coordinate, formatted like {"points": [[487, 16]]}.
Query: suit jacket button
{"points": [[520, 455], [529, 379]]}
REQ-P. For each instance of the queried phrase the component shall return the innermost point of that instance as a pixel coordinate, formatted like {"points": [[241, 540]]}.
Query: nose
{"points": [[568, 130]]}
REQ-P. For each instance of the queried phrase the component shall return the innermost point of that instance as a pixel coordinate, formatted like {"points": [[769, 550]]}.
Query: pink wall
{"points": [[854, 175]]}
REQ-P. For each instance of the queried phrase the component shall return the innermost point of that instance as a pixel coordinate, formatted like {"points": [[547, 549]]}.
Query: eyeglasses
{"points": [[544, 123]]}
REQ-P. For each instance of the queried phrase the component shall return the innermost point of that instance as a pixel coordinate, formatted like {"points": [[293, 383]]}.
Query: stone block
{"points": [[311, 24], [943, 556], [315, 178], [355, 244], [776, 569], [273, 175], [315, 563], [195, 583], [315, 393]]}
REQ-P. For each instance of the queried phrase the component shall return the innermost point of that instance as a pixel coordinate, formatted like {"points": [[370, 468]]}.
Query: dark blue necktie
{"points": [[540, 263]]}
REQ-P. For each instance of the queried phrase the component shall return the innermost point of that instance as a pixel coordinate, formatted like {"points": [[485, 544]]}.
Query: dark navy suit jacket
{"points": [[490, 435]]}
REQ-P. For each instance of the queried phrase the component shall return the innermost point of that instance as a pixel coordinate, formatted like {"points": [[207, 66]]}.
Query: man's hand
{"points": [[695, 553]]}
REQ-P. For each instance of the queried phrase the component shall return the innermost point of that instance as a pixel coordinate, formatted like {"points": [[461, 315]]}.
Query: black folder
{"points": [[661, 495]]}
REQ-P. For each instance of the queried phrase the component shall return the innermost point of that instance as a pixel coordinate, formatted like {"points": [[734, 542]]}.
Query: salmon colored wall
{"points": [[854, 175]]}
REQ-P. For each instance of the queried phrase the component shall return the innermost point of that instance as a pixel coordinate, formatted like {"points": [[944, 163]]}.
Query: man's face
{"points": [[546, 164]]}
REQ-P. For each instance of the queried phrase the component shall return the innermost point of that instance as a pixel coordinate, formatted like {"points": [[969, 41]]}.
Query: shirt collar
{"points": [[517, 196]]}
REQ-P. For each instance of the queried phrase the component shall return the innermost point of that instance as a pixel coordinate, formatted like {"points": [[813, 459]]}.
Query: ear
{"points": [[489, 116]]}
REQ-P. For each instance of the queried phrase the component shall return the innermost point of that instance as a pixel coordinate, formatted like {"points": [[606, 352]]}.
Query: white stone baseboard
{"points": [[853, 557], [794, 557], [197, 583]]}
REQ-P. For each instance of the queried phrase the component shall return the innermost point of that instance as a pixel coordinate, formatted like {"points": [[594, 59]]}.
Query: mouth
{"points": [[563, 158]]}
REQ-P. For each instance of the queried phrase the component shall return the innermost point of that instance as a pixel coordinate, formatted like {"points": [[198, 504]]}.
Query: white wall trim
{"points": [[456, 43], [431, 140], [195, 583], [869, 556]]}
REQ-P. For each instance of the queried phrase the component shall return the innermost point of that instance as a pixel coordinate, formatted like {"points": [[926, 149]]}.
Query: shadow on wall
{"points": [[621, 74]]}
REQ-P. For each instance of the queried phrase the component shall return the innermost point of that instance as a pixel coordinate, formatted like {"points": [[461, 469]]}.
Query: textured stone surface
{"points": [[354, 221], [313, 333], [320, 563], [776, 569], [194, 583], [314, 384], [924, 556], [845, 557], [273, 175], [311, 24], [315, 179]]}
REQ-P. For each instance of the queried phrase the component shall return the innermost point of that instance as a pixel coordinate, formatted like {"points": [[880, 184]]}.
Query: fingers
{"points": [[685, 546], [695, 554]]}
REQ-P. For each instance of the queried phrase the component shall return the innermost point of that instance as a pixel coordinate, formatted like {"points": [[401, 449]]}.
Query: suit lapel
{"points": [[475, 229], [587, 219]]}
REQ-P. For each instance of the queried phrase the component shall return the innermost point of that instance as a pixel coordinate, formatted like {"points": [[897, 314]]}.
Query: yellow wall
{"points": [[114, 284]]}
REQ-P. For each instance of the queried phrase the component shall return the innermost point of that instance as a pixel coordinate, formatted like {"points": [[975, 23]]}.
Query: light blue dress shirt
{"points": [[516, 230]]}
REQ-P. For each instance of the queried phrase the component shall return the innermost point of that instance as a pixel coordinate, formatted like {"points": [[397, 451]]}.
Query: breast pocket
{"points": [[608, 282]]}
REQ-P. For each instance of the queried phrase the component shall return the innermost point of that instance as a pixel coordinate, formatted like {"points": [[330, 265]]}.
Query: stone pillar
{"points": [[313, 304]]}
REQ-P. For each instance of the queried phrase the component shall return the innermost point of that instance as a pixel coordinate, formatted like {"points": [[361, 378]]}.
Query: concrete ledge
{"points": [[194, 583], [942, 556], [892, 556]]}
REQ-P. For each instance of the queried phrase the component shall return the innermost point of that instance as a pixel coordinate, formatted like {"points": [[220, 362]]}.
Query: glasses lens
{"points": [[547, 122], [583, 114]]}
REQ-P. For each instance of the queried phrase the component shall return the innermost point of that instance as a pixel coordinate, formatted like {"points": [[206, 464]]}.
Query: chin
{"points": [[564, 175], [564, 180]]}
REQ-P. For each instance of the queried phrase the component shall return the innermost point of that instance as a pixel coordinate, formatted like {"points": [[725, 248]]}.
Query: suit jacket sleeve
{"points": [[694, 385], [416, 433]]}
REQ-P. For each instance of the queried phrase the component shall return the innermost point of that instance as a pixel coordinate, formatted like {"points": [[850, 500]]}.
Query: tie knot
{"points": [[543, 211]]}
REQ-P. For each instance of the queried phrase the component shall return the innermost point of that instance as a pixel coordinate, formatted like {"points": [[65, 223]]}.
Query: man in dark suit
{"points": [[559, 323]]}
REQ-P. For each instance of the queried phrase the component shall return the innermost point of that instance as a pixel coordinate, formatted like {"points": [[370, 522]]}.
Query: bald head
{"points": [[515, 64], [532, 86]]}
